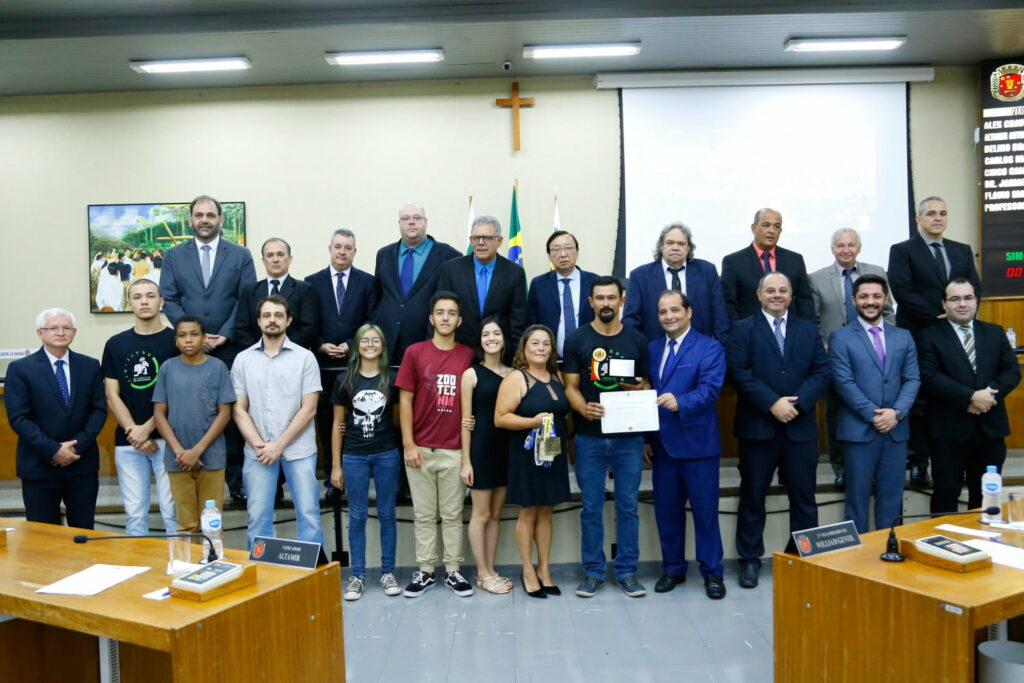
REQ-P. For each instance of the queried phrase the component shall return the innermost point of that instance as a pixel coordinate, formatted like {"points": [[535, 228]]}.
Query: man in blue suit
{"points": [[674, 267], [777, 364], [56, 406], [687, 370], [875, 373], [558, 299]]}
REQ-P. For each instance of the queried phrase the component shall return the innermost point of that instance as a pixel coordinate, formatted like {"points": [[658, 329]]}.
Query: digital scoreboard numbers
{"points": [[1002, 177]]}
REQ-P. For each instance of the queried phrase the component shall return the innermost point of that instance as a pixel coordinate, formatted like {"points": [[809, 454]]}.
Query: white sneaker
{"points": [[390, 585], [354, 589]]}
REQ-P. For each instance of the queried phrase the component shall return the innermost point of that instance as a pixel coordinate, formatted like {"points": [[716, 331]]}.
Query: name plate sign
{"points": [[826, 539], [285, 552]]}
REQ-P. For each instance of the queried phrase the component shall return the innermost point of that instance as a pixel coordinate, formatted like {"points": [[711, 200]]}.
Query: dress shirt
{"points": [[945, 257], [668, 276], [664, 353], [771, 322], [854, 270], [419, 256], [213, 244], [53, 366], [574, 291], [959, 332], [771, 258], [280, 283], [881, 331]]}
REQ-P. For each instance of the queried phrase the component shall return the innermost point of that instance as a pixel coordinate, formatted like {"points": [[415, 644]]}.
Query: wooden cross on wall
{"points": [[515, 102]]}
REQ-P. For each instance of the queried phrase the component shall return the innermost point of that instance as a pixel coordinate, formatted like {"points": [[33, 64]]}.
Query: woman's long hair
{"points": [[519, 362], [355, 359]]}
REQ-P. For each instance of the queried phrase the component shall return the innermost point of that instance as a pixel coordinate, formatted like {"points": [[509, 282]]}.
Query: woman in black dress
{"points": [[485, 454], [532, 403]]}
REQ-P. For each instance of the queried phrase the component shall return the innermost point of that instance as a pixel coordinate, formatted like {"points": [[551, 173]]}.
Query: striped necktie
{"points": [[969, 346]]}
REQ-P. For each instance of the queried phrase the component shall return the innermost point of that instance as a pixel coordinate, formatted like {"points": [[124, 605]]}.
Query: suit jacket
{"points": [[359, 307], [917, 284], [403, 317], [181, 285], [506, 298], [302, 302], [544, 300], [864, 386], [742, 270], [41, 420], [703, 289], [762, 376], [695, 378], [829, 293], [949, 381]]}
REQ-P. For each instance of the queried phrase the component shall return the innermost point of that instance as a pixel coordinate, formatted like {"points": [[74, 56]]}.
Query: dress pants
{"points": [[881, 462], [42, 498], [950, 461], [835, 447], [676, 481]]}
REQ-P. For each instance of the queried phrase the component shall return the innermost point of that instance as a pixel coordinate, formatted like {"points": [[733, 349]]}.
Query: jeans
{"points": [[624, 455], [261, 486], [384, 468], [133, 470]]}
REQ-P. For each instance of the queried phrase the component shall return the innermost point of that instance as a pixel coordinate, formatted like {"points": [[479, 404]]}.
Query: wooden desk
{"points": [[287, 627], [847, 616]]}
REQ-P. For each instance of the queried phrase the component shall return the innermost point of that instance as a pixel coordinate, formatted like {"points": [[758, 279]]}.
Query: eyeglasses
{"points": [[417, 218], [482, 238], [562, 250], [370, 341], [957, 299], [61, 328]]}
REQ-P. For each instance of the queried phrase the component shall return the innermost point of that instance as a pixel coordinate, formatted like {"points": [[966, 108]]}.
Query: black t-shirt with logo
{"points": [[134, 360], [595, 357], [369, 421]]}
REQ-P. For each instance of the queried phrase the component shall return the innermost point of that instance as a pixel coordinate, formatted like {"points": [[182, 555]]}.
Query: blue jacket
{"points": [[703, 289], [544, 300]]}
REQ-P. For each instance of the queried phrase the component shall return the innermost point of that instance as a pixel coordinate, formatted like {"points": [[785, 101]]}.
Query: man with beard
{"points": [[606, 356], [277, 384], [874, 371]]}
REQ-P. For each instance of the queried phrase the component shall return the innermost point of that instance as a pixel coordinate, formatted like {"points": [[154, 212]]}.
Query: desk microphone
{"points": [[892, 546], [211, 558]]}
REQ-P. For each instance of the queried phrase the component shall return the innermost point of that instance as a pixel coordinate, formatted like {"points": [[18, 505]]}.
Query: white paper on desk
{"points": [[1006, 555], [93, 580], [981, 533], [629, 412]]}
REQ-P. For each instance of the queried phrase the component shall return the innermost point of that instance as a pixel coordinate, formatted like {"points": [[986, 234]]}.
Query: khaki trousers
{"points": [[191, 490], [437, 490]]}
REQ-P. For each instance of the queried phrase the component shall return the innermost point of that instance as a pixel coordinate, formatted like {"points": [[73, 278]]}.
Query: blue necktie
{"points": [[568, 314], [481, 288], [779, 339], [407, 271], [851, 310], [340, 291], [767, 259], [204, 263], [62, 384], [670, 360]]}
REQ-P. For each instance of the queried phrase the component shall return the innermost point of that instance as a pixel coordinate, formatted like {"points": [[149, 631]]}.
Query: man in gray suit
{"points": [[832, 290]]}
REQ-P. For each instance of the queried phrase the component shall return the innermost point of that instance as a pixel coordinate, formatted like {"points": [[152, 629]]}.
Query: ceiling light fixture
{"points": [[844, 44], [177, 66], [570, 51], [384, 57]]}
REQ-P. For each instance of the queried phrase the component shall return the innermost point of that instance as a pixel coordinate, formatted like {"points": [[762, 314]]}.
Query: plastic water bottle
{"points": [[1011, 337], [991, 494], [211, 523]]}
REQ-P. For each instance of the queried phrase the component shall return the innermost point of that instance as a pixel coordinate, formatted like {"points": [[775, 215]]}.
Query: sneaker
{"points": [[389, 584], [458, 584], [589, 587], [421, 581], [632, 587], [354, 589]]}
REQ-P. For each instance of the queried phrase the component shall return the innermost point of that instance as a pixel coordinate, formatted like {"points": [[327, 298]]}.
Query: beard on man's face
{"points": [[606, 314]]}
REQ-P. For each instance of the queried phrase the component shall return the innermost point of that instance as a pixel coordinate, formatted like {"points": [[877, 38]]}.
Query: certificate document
{"points": [[629, 411]]}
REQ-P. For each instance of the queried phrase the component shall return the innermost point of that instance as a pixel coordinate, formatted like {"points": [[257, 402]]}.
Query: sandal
{"points": [[494, 584]]}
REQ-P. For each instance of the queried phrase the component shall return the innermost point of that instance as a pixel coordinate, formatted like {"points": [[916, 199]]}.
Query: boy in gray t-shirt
{"points": [[191, 406]]}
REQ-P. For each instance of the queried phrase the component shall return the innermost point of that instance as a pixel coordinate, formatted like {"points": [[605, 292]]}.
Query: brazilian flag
{"points": [[515, 230]]}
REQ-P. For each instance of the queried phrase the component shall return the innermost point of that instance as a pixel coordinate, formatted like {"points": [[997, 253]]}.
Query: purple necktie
{"points": [[877, 340]]}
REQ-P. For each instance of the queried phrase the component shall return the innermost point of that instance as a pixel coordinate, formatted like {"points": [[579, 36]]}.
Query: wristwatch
{"points": [[899, 415]]}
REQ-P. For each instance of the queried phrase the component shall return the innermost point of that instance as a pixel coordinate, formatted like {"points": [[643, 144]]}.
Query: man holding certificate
{"points": [[605, 370]]}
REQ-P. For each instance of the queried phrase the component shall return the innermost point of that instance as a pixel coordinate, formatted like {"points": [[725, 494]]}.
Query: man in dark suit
{"points": [[967, 369], [687, 370], [674, 267], [742, 270], [777, 364], [919, 269], [874, 371], [303, 305], [348, 299], [488, 285], [406, 277], [558, 299], [56, 406]]}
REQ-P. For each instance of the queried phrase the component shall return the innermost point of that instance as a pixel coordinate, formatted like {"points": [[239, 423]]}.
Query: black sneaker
{"points": [[458, 584], [421, 581]]}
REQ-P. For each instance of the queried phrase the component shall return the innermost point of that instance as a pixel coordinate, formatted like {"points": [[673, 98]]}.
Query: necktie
{"points": [[766, 259], [62, 384], [779, 339], [969, 346], [568, 313], [877, 340], [941, 261], [274, 288], [851, 310], [670, 359], [340, 291], [204, 263], [406, 275], [676, 284], [481, 288]]}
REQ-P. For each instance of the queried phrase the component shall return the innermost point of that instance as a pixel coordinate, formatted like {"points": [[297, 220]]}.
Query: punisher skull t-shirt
{"points": [[369, 421]]}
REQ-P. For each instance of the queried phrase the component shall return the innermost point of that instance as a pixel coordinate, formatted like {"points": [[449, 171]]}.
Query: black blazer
{"points": [[403, 318], [916, 283], [544, 301], [742, 270], [41, 421], [948, 380], [506, 298], [302, 302], [359, 307]]}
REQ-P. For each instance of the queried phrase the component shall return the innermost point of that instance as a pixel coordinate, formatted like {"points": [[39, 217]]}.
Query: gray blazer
{"points": [[827, 292]]}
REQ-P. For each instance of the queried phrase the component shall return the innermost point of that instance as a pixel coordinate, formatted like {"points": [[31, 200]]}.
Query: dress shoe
{"points": [[919, 474], [841, 481], [539, 593], [668, 581], [715, 587], [237, 497], [748, 574], [550, 590]]}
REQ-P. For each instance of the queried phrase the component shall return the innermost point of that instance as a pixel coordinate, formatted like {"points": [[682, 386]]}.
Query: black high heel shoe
{"points": [[539, 593]]}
